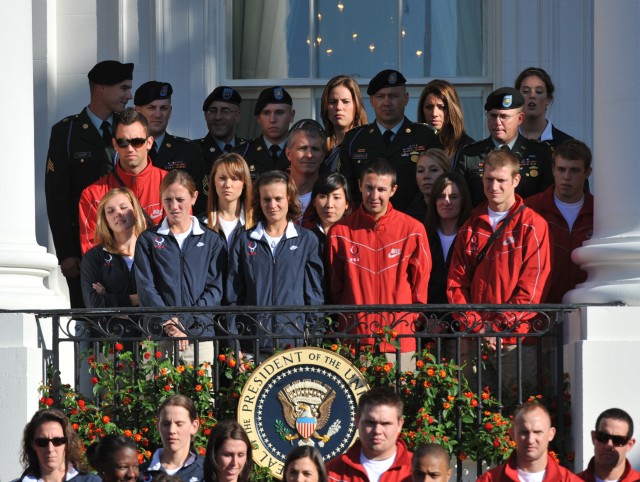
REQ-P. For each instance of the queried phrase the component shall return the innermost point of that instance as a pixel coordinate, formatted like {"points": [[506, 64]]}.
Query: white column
{"points": [[602, 353], [612, 256], [23, 264]]}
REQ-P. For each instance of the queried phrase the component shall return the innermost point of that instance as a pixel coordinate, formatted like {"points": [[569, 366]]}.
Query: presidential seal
{"points": [[301, 396]]}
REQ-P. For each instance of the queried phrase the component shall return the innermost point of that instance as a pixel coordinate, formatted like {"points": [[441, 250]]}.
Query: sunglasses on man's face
{"points": [[44, 442], [136, 142], [616, 440]]}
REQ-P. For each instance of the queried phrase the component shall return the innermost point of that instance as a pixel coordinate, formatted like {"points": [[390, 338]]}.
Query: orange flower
{"points": [[334, 347], [443, 374], [167, 388], [485, 396], [462, 456], [75, 427], [140, 459], [119, 346], [200, 373], [387, 367], [496, 443], [419, 364], [137, 437], [446, 405], [431, 372], [198, 388], [180, 368], [202, 451], [163, 371], [106, 419], [451, 398], [474, 403], [488, 426], [232, 363], [127, 433], [222, 358]]}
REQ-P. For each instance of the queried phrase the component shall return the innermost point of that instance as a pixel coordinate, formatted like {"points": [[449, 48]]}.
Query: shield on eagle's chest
{"points": [[306, 426]]}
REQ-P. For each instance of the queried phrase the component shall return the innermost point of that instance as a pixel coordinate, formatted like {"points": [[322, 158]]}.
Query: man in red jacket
{"points": [[501, 256], [378, 255], [532, 432], [133, 170], [612, 441], [569, 211], [378, 455]]}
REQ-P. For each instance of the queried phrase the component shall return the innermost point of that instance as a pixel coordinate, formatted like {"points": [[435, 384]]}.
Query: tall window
{"points": [[310, 41], [296, 39]]}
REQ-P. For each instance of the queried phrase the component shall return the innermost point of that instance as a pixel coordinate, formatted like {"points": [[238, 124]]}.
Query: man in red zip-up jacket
{"points": [[378, 255], [378, 455], [133, 170], [531, 460], [569, 211], [511, 268]]}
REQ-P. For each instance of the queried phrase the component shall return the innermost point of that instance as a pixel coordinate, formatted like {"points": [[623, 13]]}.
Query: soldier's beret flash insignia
{"points": [[506, 101], [301, 396], [393, 78], [227, 93], [278, 93]]}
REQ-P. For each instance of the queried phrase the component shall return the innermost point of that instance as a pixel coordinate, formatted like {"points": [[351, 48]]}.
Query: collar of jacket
{"points": [[259, 231]]}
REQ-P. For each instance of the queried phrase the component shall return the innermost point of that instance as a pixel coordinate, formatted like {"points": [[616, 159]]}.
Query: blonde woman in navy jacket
{"points": [[181, 263], [277, 263]]}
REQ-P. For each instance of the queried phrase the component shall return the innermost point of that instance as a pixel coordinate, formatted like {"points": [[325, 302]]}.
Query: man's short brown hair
{"points": [[380, 396], [573, 150], [503, 158]]}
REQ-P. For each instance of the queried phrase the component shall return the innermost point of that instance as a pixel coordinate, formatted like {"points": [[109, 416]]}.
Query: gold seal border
{"points": [[272, 366]]}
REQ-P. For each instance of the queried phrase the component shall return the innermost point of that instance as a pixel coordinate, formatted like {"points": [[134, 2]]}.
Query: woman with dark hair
{"points": [[431, 164], [229, 205], [178, 423], [449, 208], [276, 263], [304, 464], [106, 270], [115, 457], [51, 450], [228, 455], [330, 201], [439, 106], [181, 263], [341, 109], [536, 87]]}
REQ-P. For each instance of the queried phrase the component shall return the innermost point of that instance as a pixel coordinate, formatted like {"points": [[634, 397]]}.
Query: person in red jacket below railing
{"points": [[530, 461], [501, 256], [378, 455], [568, 209], [378, 255], [612, 441]]}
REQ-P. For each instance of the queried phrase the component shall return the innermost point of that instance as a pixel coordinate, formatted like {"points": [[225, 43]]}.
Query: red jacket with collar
{"points": [[145, 186], [347, 467], [509, 472], [379, 262], [515, 269], [629, 475], [565, 274]]}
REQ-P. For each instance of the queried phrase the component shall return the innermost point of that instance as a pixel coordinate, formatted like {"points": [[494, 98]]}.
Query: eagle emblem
{"points": [[306, 406]]}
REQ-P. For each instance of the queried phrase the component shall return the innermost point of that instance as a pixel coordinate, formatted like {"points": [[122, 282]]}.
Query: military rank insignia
{"points": [[301, 396]]}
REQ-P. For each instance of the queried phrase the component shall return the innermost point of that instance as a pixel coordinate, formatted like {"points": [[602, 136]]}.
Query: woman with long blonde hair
{"points": [[106, 270]]}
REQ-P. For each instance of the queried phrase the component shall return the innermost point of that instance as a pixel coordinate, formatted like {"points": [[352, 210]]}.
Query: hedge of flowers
{"points": [[440, 406]]}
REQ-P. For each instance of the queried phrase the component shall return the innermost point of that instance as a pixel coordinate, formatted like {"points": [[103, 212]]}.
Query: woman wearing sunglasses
{"points": [[51, 450]]}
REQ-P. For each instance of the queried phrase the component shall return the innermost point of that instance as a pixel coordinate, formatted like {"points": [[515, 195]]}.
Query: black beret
{"points": [[386, 78], [152, 90], [110, 72], [272, 95], [223, 94], [505, 98]]}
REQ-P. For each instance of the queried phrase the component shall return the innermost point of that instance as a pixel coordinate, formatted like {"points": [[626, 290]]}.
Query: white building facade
{"points": [[589, 47]]}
